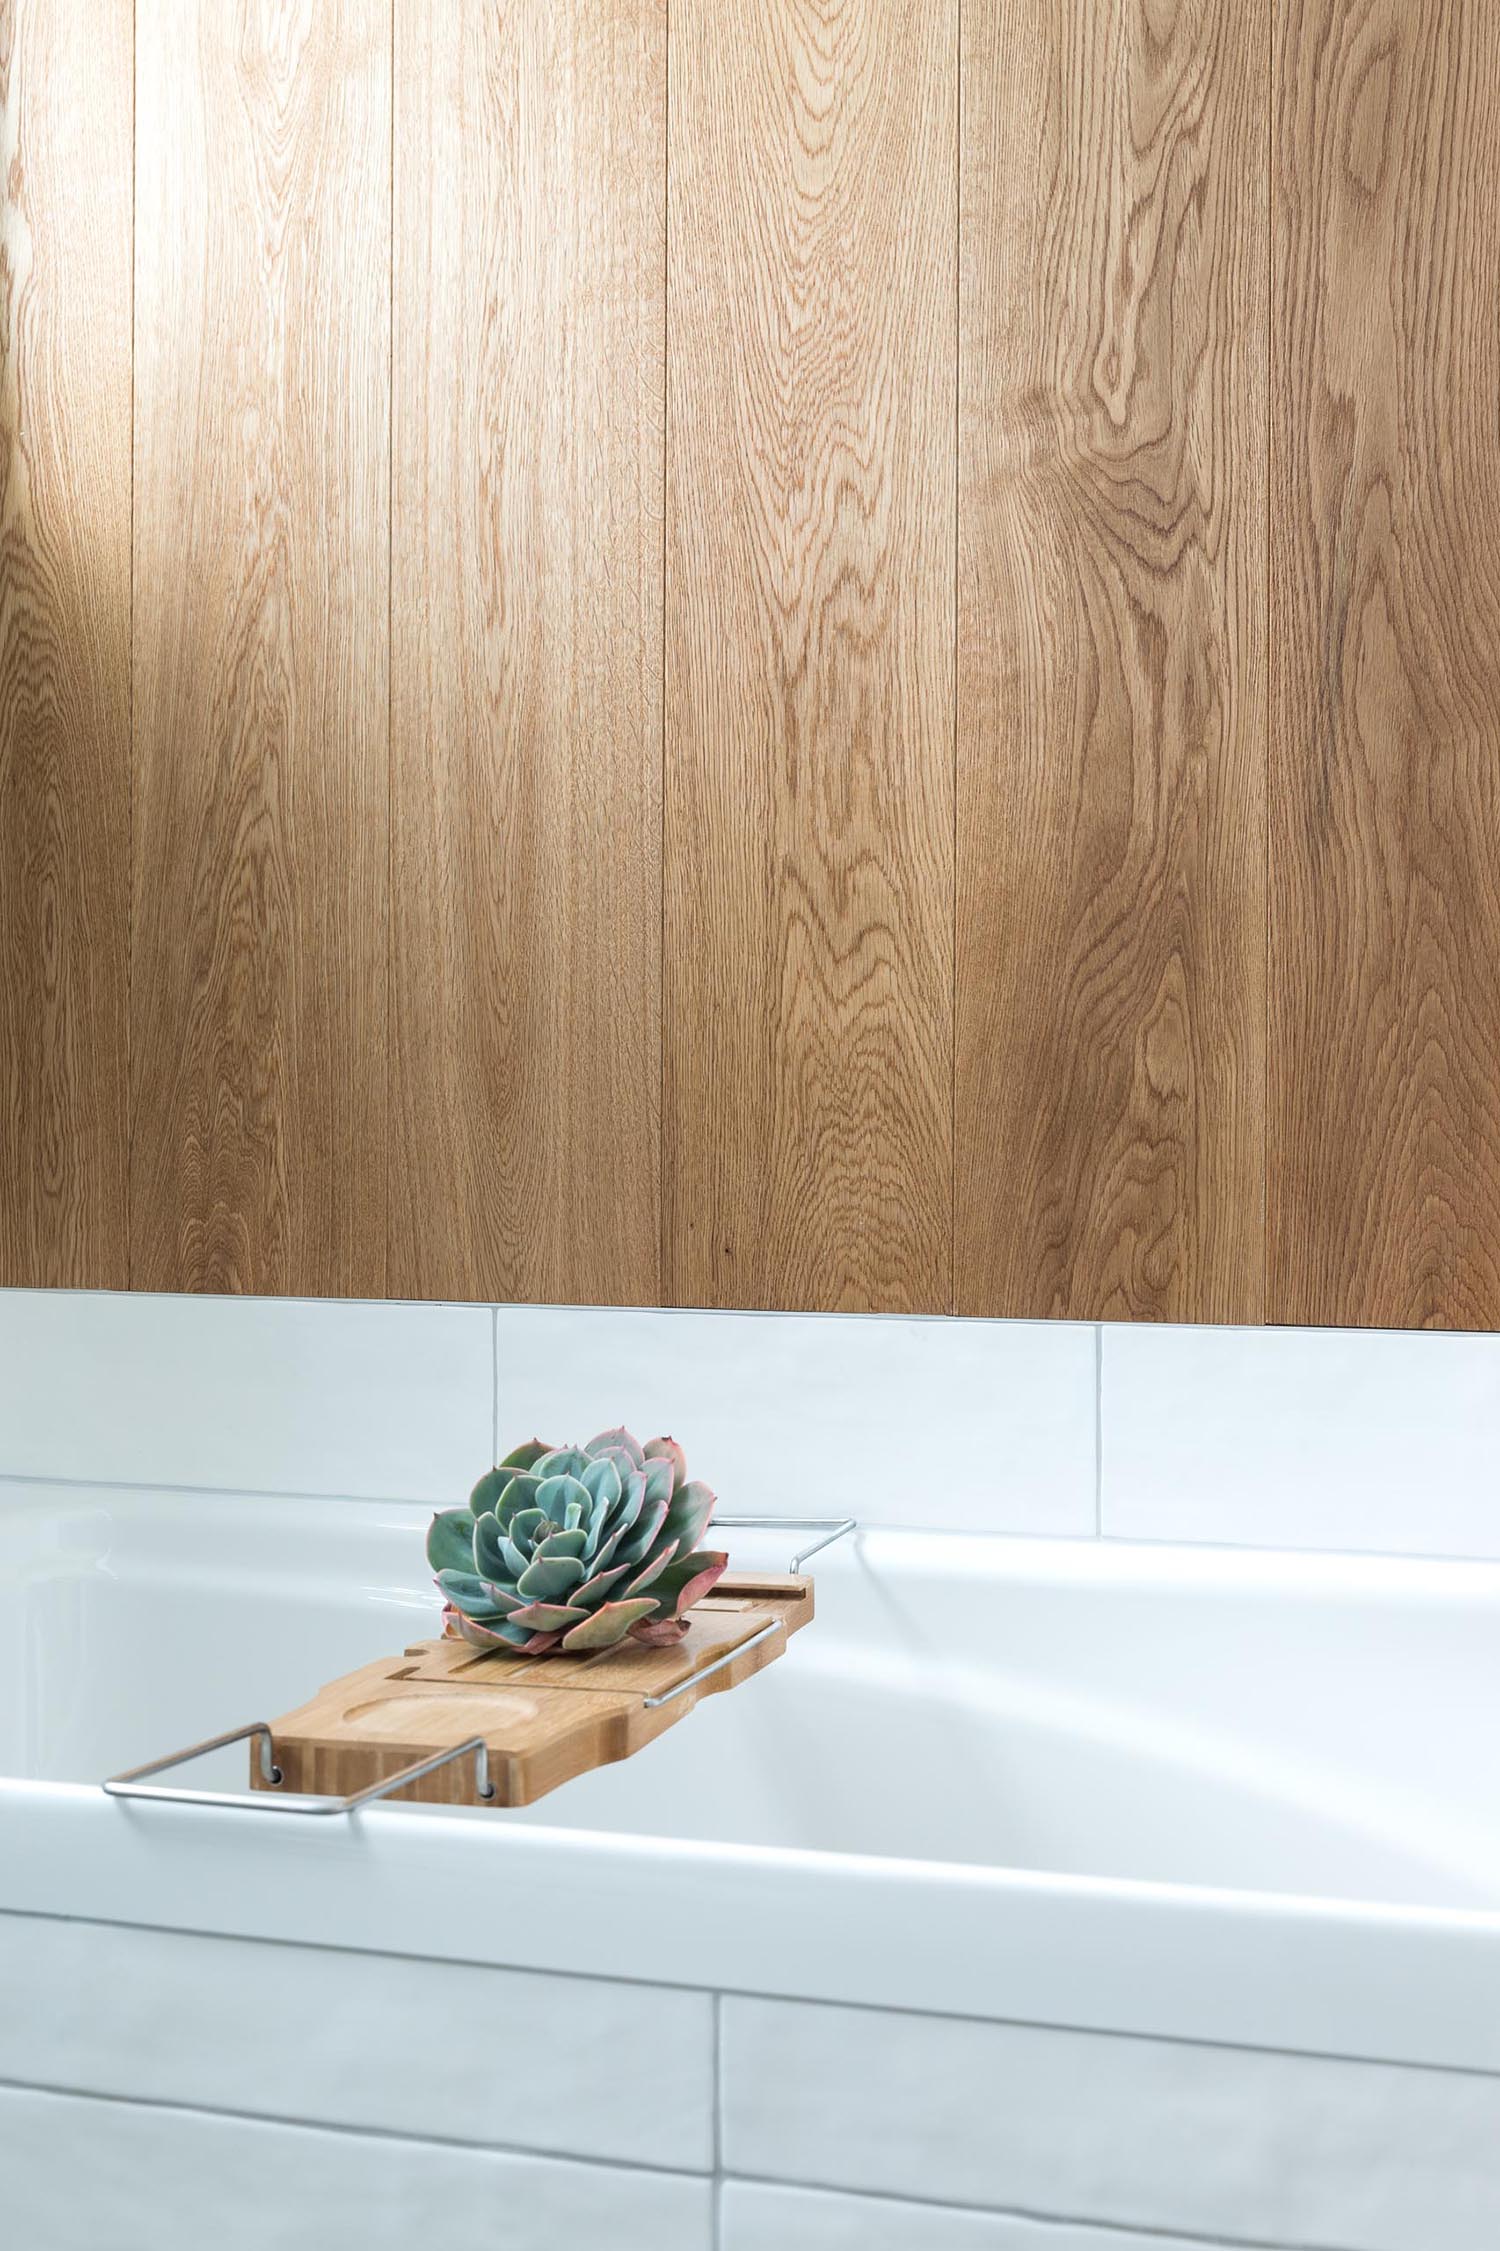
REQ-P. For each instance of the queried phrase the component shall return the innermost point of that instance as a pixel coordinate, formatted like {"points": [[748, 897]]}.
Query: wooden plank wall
{"points": [[1384, 1162], [1111, 700], [259, 1064], [65, 150], [784, 652], [526, 618], [807, 1001]]}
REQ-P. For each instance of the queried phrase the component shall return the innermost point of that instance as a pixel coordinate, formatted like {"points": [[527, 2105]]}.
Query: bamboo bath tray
{"points": [[542, 1720], [448, 1724]]}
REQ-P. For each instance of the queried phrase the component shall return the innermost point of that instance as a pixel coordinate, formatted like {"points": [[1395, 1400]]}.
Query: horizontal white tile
{"points": [[1115, 2131], [755, 2216], [1361, 1439], [364, 2040], [977, 1426], [83, 2175], [260, 1394]]}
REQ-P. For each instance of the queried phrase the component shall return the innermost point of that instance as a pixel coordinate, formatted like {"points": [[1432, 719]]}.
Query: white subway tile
{"points": [[259, 1394], [963, 1425], [363, 2040], [1112, 2130], [1310, 1438], [755, 2216], [82, 2175]]}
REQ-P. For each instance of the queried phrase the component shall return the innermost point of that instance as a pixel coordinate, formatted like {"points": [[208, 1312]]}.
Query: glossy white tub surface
{"points": [[1217, 1796]]}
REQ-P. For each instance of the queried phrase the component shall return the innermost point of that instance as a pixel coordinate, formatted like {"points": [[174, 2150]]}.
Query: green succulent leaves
{"points": [[575, 1547]]}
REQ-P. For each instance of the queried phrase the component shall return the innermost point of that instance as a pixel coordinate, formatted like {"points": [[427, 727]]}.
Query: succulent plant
{"points": [[572, 1548]]}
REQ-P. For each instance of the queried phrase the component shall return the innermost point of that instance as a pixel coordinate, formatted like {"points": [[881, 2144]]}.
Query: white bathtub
{"points": [[1042, 1889]]}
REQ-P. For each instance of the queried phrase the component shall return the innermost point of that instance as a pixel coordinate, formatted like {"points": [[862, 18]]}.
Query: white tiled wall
{"points": [[283, 1395], [834, 2127], [1305, 1438], [78, 2174], [159, 2090], [1222, 2143], [1308, 1438], [971, 1424], [759, 2216], [417, 2048]]}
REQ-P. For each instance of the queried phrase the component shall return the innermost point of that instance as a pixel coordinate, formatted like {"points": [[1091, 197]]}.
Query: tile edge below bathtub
{"points": [[722, 2182], [288, 2121], [1130, 2235], [1227, 1970]]}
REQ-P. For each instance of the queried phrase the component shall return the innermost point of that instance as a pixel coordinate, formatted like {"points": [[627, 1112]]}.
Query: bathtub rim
{"points": [[1355, 1980], [1273, 1970]]}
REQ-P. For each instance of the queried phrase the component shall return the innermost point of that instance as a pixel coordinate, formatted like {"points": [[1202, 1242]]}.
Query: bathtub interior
{"points": [[1290, 1724]]}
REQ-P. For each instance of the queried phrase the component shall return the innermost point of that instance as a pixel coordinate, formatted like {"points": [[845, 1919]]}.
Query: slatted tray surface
{"points": [[543, 1719]]}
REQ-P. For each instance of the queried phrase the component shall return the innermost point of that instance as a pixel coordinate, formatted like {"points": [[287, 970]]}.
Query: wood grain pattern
{"points": [[807, 999], [526, 895], [531, 161], [543, 1720], [258, 1004], [1384, 1202], [1111, 699], [65, 136]]}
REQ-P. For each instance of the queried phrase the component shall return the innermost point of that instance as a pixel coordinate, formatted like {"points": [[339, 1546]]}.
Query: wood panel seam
{"points": [[958, 347], [129, 1184], [394, 1096], [661, 1293], [1269, 493]]}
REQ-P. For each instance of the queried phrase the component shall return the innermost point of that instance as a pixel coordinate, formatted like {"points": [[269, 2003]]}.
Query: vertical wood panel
{"points": [[261, 706], [1111, 700], [65, 130], [808, 805], [1384, 1199], [531, 165]]}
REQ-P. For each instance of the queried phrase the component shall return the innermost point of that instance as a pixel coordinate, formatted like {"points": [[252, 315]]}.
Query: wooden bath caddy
{"points": [[542, 1720], [448, 1724]]}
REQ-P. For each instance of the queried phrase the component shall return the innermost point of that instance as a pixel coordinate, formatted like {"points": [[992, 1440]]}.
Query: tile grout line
{"points": [[494, 1383], [1098, 1430], [286, 2123], [161, 1485], [773, 1999], [717, 2123], [342, 1497], [1420, 1339], [1145, 2233], [569, 1307], [1200, 1546]]}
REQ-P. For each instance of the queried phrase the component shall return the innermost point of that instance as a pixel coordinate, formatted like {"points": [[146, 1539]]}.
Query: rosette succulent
{"points": [[575, 1547]]}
